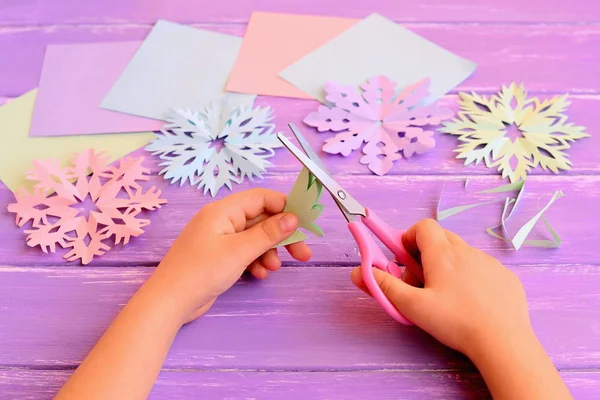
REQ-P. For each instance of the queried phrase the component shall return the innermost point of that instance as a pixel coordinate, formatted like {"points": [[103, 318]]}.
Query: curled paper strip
{"points": [[510, 204]]}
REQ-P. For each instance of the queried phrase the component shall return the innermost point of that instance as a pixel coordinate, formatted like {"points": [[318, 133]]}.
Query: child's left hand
{"points": [[222, 240]]}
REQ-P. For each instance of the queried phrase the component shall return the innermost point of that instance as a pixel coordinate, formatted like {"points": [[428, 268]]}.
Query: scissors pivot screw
{"points": [[341, 194]]}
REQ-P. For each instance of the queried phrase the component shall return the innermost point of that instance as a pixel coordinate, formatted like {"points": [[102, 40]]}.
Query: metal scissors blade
{"points": [[313, 156], [346, 202]]}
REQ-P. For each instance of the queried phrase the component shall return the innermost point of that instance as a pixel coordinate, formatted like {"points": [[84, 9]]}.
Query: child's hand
{"points": [[469, 298], [475, 305], [222, 240]]}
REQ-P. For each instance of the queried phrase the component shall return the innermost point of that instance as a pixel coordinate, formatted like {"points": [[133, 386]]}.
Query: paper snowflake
{"points": [[54, 207], [483, 125], [216, 147], [391, 125]]}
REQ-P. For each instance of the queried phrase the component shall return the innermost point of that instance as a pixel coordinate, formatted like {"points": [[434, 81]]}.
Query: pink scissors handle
{"points": [[372, 256]]}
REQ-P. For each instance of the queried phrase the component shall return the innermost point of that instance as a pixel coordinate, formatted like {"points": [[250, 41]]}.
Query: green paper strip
{"points": [[511, 187]]}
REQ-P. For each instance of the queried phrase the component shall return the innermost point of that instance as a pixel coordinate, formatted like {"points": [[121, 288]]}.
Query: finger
{"points": [[254, 242], [358, 281], [299, 251], [251, 222], [247, 205], [453, 238], [270, 260], [411, 279], [258, 270], [426, 235], [409, 300]]}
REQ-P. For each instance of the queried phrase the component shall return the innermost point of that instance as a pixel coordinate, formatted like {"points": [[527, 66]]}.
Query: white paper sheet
{"points": [[177, 66], [378, 46]]}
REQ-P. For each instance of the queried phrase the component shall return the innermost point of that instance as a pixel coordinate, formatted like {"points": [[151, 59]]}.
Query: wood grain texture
{"points": [[300, 319], [381, 385], [36, 12], [548, 58], [311, 333], [402, 200]]}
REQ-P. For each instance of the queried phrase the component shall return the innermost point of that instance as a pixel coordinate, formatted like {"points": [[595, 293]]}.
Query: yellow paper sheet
{"points": [[18, 150]]}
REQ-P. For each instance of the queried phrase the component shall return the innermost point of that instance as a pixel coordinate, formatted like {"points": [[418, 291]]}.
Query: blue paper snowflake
{"points": [[216, 147]]}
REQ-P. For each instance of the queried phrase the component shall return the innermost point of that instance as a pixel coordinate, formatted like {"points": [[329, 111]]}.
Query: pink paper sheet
{"points": [[74, 80], [274, 41]]}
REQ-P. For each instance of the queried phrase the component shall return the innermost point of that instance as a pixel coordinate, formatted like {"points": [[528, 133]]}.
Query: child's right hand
{"points": [[475, 305], [469, 299]]}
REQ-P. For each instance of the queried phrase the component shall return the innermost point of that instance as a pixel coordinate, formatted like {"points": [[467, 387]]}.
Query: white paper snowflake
{"points": [[216, 147]]}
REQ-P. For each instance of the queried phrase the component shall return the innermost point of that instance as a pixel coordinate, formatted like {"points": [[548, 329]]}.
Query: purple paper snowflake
{"points": [[391, 125]]}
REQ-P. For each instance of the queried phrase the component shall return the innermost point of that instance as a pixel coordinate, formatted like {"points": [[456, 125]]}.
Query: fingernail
{"points": [[288, 222]]}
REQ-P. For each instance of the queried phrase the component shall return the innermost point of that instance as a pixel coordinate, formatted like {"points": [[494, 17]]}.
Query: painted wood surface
{"points": [[402, 199], [380, 385], [34, 12], [312, 334], [548, 58], [301, 319]]}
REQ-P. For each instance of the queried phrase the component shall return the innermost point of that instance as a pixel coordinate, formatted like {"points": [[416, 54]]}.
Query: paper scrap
{"points": [[19, 150], [378, 46], [391, 125], [52, 207], [272, 42], [303, 201], [74, 79], [217, 146], [177, 66], [543, 132], [510, 204], [520, 238], [511, 187]]}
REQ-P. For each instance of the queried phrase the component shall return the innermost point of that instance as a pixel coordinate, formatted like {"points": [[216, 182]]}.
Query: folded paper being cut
{"points": [[303, 201]]}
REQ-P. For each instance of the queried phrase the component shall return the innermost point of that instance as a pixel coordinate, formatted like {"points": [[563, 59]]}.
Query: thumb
{"points": [[407, 299], [255, 241]]}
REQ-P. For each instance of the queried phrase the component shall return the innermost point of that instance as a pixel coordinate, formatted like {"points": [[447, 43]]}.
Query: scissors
{"points": [[361, 223]]}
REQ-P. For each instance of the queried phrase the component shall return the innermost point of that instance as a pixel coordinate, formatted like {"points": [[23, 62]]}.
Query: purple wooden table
{"points": [[307, 332]]}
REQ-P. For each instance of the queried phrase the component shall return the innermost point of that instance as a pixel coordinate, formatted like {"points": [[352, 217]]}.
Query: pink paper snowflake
{"points": [[53, 209], [388, 123]]}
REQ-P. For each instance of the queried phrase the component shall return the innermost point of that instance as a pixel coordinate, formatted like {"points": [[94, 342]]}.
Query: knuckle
{"points": [[269, 230], [427, 224]]}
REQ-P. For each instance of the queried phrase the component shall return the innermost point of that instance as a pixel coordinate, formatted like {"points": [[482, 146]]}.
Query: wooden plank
{"points": [[402, 200], [36, 12], [39, 385], [300, 319], [548, 58]]}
